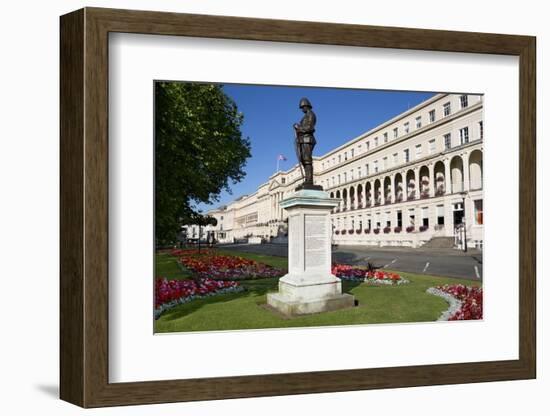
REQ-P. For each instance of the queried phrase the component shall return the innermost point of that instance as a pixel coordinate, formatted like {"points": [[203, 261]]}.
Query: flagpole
{"points": [[278, 163]]}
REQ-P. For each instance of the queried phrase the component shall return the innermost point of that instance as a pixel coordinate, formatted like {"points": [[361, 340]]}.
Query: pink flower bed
{"points": [[471, 298]]}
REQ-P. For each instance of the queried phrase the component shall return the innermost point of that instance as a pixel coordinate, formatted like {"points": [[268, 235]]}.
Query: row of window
{"points": [[395, 133], [379, 219], [387, 163]]}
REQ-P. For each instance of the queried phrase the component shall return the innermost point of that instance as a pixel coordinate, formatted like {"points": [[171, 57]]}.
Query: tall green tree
{"points": [[199, 151]]}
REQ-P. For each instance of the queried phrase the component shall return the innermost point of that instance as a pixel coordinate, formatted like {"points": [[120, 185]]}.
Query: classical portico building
{"points": [[412, 179]]}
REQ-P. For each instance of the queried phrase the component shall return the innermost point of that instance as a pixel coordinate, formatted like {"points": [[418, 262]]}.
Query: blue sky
{"points": [[270, 111]]}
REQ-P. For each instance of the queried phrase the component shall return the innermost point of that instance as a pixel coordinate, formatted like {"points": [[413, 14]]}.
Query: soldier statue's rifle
{"points": [[298, 150]]}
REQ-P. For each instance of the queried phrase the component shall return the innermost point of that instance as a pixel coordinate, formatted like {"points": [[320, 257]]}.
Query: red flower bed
{"points": [[347, 272], [471, 298], [169, 290], [210, 265], [344, 270]]}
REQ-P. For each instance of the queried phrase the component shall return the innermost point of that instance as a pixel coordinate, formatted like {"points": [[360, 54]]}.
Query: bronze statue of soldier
{"points": [[304, 144]]}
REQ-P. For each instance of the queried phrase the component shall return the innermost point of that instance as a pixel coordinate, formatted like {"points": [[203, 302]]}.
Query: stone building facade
{"points": [[410, 179]]}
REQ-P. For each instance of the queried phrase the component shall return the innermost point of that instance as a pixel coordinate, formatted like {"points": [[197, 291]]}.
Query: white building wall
{"points": [[349, 163]]}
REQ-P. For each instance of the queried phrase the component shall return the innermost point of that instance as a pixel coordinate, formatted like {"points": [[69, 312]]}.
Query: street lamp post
{"points": [[464, 219]]}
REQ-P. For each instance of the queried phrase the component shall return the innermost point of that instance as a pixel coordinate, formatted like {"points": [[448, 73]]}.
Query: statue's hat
{"points": [[304, 102]]}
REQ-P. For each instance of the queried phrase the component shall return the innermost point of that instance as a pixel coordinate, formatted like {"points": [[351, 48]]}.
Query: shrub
{"points": [[387, 230], [423, 228], [410, 228], [377, 231], [397, 230]]}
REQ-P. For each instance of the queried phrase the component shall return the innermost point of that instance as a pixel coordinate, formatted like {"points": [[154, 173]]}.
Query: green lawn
{"points": [[166, 266], [377, 304]]}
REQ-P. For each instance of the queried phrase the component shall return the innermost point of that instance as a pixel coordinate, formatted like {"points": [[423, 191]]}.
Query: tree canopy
{"points": [[199, 151]]}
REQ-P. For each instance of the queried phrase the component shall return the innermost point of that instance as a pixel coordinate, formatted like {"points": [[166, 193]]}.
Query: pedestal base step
{"points": [[290, 307]]}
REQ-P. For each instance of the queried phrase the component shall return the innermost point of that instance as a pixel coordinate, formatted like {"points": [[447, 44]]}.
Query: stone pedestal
{"points": [[309, 286]]}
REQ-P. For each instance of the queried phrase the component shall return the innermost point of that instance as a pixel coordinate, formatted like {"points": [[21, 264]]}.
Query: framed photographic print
{"points": [[255, 207]]}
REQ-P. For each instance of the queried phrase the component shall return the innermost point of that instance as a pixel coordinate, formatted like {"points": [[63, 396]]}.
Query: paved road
{"points": [[438, 262]]}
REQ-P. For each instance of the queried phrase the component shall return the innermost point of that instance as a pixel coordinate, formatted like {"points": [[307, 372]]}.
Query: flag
{"points": [[281, 157]]}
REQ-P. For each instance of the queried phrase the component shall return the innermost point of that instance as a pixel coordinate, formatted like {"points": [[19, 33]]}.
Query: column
{"points": [[466, 173], [405, 187], [417, 184], [447, 163], [393, 188], [431, 179]]}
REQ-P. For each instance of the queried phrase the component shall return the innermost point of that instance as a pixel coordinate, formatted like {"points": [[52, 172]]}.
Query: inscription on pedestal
{"points": [[309, 286], [295, 230], [316, 241]]}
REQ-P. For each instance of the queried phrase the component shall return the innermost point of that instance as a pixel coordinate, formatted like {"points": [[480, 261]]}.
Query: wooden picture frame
{"points": [[84, 207]]}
